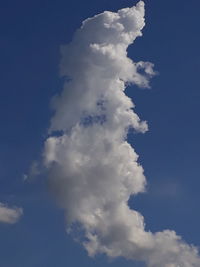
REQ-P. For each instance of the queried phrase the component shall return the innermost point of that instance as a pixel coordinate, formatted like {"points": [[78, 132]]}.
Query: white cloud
{"points": [[9, 215], [92, 169]]}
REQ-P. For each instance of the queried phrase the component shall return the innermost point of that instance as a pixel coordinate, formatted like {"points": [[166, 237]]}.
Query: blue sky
{"points": [[32, 33]]}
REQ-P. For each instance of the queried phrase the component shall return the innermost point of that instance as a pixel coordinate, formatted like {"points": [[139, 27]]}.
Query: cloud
{"points": [[33, 172], [9, 215], [92, 169]]}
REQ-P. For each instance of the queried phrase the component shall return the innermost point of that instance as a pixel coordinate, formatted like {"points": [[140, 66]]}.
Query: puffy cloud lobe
{"points": [[9, 215], [96, 62], [92, 169]]}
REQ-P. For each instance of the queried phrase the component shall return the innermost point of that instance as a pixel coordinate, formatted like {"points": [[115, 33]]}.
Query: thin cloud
{"points": [[9, 215]]}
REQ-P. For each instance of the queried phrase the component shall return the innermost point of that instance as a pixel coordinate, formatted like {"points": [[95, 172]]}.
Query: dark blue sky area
{"points": [[31, 35]]}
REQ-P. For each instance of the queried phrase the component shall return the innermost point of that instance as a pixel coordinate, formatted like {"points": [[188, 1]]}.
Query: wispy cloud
{"points": [[92, 169], [9, 215]]}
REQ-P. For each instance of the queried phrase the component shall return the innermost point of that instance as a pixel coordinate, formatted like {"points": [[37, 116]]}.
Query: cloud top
{"points": [[92, 169]]}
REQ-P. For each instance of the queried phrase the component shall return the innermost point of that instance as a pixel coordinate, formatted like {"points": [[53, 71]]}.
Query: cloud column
{"points": [[91, 168]]}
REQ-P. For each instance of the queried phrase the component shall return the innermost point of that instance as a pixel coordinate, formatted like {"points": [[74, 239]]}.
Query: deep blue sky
{"points": [[31, 34]]}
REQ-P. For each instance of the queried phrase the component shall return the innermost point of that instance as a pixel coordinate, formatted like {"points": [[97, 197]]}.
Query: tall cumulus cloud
{"points": [[92, 169]]}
